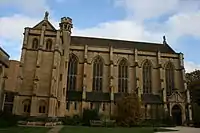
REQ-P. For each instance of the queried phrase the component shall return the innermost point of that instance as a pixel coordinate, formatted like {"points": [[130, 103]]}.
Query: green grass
{"points": [[24, 130], [75, 129]]}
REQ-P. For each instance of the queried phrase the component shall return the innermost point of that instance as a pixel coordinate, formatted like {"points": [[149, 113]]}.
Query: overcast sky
{"points": [[138, 20]]}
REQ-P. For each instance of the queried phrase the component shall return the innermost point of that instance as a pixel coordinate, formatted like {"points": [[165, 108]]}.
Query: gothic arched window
{"points": [[169, 78], [97, 74], [26, 106], [49, 44], [72, 73], [35, 43], [123, 76], [42, 107], [147, 81]]}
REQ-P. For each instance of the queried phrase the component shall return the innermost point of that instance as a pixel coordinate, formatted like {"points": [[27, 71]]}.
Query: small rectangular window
{"points": [[68, 105], [75, 106], [91, 105], [65, 64], [104, 107], [60, 77], [63, 52]]}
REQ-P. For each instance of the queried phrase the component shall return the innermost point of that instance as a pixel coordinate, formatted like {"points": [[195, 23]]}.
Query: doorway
{"points": [[177, 115]]}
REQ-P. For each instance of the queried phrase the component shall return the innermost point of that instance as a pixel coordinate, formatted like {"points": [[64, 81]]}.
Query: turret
{"points": [[65, 28], [66, 24]]}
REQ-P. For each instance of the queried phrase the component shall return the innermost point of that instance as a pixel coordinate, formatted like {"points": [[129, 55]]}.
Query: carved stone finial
{"points": [[164, 40], [46, 15]]}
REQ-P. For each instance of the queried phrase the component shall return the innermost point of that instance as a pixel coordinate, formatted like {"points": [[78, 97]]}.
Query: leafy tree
{"points": [[128, 110], [193, 77], [193, 80]]}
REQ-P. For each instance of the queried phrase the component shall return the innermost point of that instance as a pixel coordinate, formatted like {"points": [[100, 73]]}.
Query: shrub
{"points": [[196, 115], [109, 123], [77, 120], [88, 115], [67, 120], [74, 121], [128, 110], [168, 120], [7, 119], [51, 119]]}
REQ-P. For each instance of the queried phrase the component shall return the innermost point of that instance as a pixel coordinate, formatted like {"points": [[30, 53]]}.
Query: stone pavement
{"points": [[56, 129], [184, 130]]}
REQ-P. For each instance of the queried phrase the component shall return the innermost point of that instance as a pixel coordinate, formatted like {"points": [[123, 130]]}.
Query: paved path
{"points": [[56, 129], [184, 130]]}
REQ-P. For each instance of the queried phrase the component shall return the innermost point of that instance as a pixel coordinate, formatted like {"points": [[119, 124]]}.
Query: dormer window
{"points": [[49, 44], [35, 43]]}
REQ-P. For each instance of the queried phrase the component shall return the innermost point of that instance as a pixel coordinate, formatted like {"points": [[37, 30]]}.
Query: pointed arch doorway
{"points": [[177, 115]]}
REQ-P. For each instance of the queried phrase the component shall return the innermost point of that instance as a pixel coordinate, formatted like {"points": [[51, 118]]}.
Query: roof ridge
{"points": [[122, 44], [4, 52], [112, 39]]}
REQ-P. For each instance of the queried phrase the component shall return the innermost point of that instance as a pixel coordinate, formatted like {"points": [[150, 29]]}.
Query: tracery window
{"points": [[26, 106], [35, 43], [147, 80], [48, 44], [169, 78], [72, 72], [97, 74], [123, 76], [42, 107]]}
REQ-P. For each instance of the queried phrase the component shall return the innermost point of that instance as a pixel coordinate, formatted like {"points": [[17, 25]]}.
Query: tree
{"points": [[128, 110], [193, 80], [193, 77]]}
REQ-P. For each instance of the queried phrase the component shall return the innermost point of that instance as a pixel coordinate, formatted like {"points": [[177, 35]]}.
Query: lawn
{"points": [[75, 129], [24, 130]]}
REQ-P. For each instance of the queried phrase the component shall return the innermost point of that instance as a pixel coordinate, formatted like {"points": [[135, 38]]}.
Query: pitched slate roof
{"points": [[74, 95], [122, 44], [97, 96], [151, 99]]}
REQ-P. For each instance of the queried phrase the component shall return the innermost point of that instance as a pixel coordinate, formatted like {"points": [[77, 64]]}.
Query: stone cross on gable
{"points": [[46, 15], [164, 40]]}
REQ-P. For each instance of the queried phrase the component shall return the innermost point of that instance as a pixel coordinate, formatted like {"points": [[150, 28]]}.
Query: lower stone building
{"points": [[11, 83], [61, 75], [4, 63]]}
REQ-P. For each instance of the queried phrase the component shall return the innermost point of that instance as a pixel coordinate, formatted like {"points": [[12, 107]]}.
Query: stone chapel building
{"points": [[61, 74]]}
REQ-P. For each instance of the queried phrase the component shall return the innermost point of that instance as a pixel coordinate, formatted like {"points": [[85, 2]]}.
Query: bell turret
{"points": [[66, 24]]}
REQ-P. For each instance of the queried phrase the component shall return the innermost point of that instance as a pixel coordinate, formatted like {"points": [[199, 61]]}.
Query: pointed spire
{"points": [[46, 15], [164, 40]]}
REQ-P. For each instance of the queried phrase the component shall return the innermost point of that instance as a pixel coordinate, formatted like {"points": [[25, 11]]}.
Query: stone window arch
{"points": [[97, 74], [26, 106], [42, 106], [169, 78], [35, 43], [147, 77], [123, 76], [72, 72], [49, 44]]}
